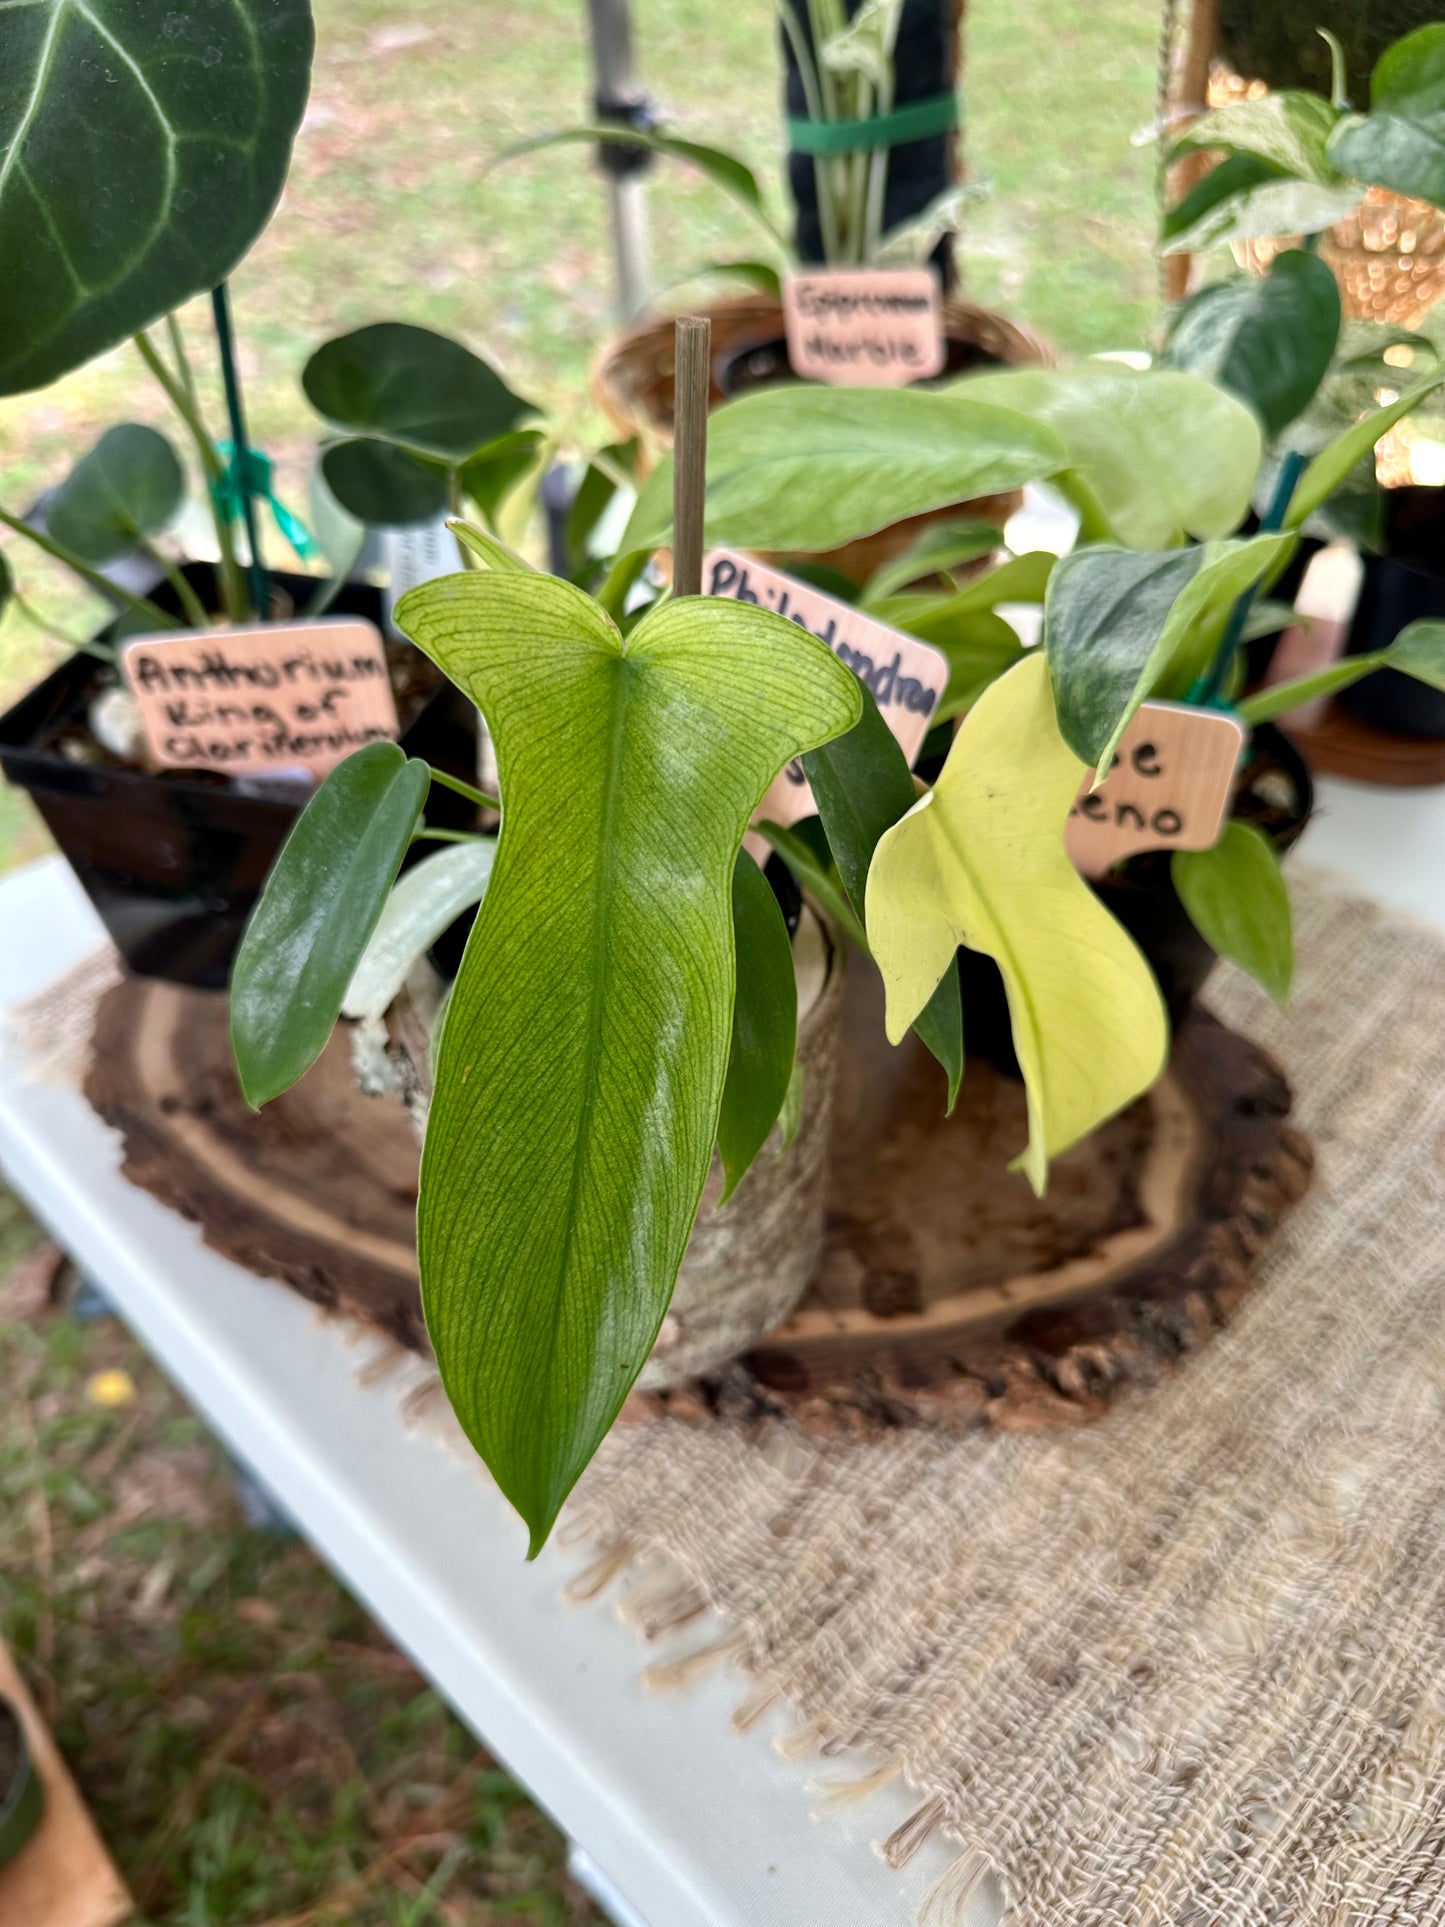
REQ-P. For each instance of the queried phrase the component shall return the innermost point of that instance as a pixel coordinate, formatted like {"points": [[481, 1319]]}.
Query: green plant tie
{"points": [[918, 121], [259, 482]]}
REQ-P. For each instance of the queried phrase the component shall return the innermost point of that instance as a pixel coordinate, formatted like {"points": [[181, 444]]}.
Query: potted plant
{"points": [[22, 1797], [625, 1019]]}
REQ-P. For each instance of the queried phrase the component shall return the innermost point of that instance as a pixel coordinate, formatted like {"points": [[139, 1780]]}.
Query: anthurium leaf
{"points": [[980, 861], [1138, 440], [586, 1047], [142, 149], [490, 474], [1121, 626], [814, 467], [725, 170], [423, 903], [862, 785], [1267, 339], [812, 874], [1334, 463], [1403, 152], [130, 484], [1237, 901], [407, 385], [1290, 129], [941, 546], [765, 1024], [377, 482], [316, 914]]}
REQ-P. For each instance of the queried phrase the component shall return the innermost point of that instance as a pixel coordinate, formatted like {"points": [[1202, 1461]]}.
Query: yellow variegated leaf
{"points": [[980, 861]]}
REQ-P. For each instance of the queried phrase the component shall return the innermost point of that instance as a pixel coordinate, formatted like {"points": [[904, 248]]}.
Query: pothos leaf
{"points": [[586, 1047], [1268, 339], [316, 914], [765, 1024], [980, 861], [1237, 901]]}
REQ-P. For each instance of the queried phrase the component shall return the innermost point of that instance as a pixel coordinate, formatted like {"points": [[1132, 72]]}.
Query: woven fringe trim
{"points": [[967, 1894]]}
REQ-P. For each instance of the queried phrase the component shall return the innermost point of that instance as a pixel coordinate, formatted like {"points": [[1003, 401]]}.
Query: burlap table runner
{"points": [[1184, 1666]]}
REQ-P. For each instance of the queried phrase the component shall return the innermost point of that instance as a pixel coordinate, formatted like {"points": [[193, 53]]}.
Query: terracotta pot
{"points": [[633, 382]]}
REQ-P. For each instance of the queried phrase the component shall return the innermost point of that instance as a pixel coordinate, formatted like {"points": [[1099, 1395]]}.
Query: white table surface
{"points": [[693, 1825]]}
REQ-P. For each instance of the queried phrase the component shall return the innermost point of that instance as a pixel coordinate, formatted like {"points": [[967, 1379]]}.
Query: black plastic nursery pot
{"points": [[1404, 585], [22, 1797], [174, 861], [1275, 794]]}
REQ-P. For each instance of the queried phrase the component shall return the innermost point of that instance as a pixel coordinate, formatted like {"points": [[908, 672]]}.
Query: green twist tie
{"points": [[258, 481], [918, 121]]}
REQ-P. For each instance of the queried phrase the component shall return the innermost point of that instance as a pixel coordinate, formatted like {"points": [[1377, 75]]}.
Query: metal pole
{"points": [[618, 100]]}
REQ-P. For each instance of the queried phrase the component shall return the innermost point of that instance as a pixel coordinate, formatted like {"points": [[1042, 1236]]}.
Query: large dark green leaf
{"points": [[413, 387], [814, 467], [316, 914], [380, 483], [1409, 77], [142, 148], [862, 785], [1268, 339], [1237, 901], [1120, 627], [130, 484], [765, 1023], [586, 1046]]}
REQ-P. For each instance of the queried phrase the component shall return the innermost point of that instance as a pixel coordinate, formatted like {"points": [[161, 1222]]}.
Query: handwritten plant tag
{"points": [[864, 327], [906, 676], [277, 697], [1169, 789]]}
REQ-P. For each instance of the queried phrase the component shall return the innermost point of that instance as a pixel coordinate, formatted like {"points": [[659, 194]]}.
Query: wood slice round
{"points": [[947, 1291]]}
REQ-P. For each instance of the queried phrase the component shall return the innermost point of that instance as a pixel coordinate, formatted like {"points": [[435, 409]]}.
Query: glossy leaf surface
{"points": [[432, 894], [316, 914], [1236, 898], [765, 1024], [413, 387], [1268, 339], [980, 861], [587, 1041]]}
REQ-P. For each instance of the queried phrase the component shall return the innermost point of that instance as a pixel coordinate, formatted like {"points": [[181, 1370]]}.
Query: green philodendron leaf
{"points": [[1164, 454], [143, 147], [1418, 650], [1289, 129], [980, 861], [862, 785], [1402, 152], [940, 547], [130, 484], [724, 170], [379, 483], [813, 875], [316, 914], [407, 385], [586, 1047], [1334, 463], [1267, 339], [1236, 898], [814, 467], [1121, 626], [493, 551], [944, 618], [765, 1024], [430, 897]]}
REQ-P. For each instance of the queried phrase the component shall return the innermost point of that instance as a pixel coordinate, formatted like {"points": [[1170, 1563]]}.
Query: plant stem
{"points": [[457, 509], [231, 378], [183, 361], [180, 395], [479, 797], [190, 602], [689, 460], [142, 605], [808, 72], [447, 836]]}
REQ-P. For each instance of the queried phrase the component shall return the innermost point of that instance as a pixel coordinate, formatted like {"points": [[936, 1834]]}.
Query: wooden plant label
{"points": [[906, 676], [864, 327], [1169, 789], [281, 696]]}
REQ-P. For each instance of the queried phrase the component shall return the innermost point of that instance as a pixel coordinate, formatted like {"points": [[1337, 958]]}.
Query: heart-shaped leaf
{"points": [[130, 484], [379, 483], [1237, 901], [1121, 626], [980, 861], [814, 467], [142, 148], [586, 1046], [765, 1024], [862, 785], [431, 896], [1162, 454], [316, 914], [403, 384], [1267, 339]]}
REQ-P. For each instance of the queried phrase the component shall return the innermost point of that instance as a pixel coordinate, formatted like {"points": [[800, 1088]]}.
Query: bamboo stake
{"points": [[693, 349], [1201, 39]]}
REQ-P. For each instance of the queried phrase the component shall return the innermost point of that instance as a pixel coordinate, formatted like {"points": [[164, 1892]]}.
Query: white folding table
{"points": [[690, 1824]]}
